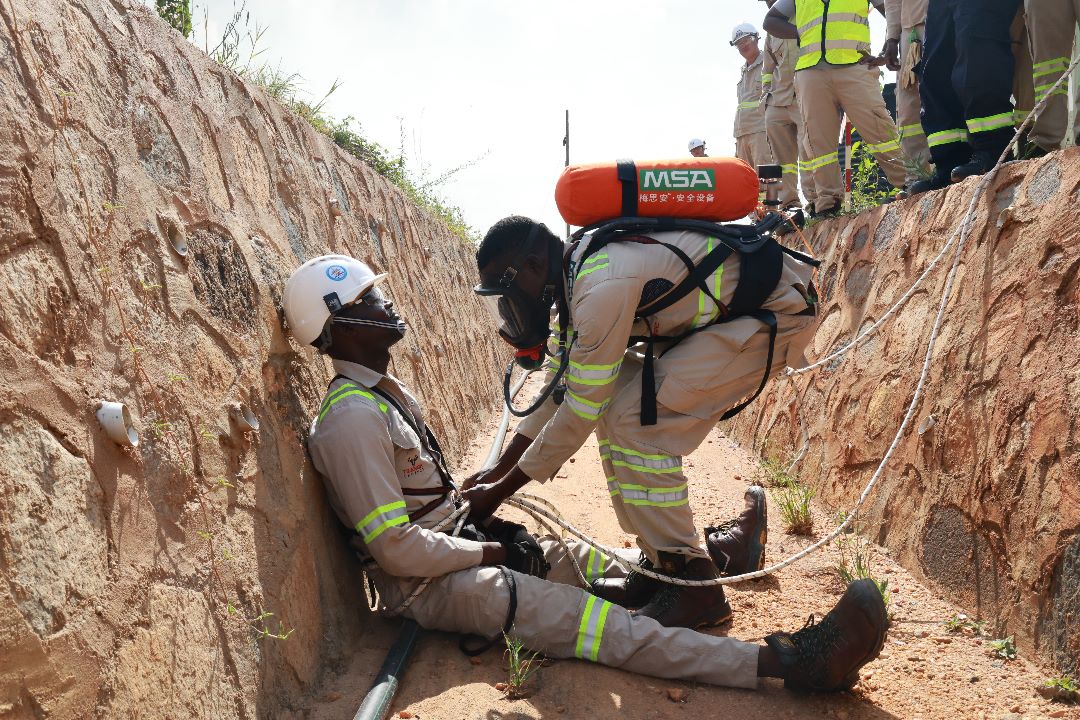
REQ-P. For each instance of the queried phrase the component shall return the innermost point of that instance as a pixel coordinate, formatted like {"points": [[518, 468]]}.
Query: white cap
{"points": [[743, 30], [696, 142], [320, 287]]}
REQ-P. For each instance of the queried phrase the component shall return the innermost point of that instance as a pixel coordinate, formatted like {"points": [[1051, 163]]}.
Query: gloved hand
{"points": [[523, 552], [906, 76], [891, 51]]}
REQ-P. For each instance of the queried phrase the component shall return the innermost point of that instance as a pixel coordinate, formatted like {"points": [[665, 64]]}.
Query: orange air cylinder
{"points": [[703, 188]]}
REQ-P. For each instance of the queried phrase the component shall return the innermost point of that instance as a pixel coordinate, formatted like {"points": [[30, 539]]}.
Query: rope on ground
{"points": [[961, 230]]}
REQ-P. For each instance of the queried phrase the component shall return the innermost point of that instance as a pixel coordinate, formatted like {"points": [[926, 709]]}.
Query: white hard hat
{"points": [[696, 142], [743, 30], [322, 286]]}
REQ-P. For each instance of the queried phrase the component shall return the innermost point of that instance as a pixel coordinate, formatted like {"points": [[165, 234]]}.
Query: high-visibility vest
{"points": [[837, 29]]}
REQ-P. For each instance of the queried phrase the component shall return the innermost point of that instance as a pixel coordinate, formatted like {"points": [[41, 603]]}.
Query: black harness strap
{"points": [[511, 612], [627, 173]]}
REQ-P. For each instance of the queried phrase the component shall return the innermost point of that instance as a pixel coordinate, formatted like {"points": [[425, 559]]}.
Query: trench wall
{"points": [[982, 496], [131, 579]]}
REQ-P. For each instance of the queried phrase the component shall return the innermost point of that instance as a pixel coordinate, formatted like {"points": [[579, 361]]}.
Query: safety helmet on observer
{"points": [[743, 30], [321, 287]]}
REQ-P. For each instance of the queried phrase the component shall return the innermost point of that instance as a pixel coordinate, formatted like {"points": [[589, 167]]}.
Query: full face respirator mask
{"points": [[525, 321]]}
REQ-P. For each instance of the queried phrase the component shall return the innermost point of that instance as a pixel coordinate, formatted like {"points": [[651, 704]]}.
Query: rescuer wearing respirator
{"points": [[386, 480], [642, 436]]}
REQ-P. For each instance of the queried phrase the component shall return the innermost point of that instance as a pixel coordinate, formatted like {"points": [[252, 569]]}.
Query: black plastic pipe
{"points": [[376, 704]]}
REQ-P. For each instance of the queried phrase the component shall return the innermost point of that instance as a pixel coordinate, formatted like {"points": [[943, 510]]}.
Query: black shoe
{"points": [[684, 605], [934, 182], [827, 656], [632, 591], [980, 163], [738, 546], [829, 212]]}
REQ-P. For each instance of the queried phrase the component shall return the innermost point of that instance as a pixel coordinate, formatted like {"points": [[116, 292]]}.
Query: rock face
{"points": [[982, 495], [151, 206]]}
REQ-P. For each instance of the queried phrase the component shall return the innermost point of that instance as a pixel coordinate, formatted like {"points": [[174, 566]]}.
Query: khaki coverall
{"points": [[751, 143], [369, 455], [905, 21], [696, 381], [1051, 28], [825, 92], [783, 121]]}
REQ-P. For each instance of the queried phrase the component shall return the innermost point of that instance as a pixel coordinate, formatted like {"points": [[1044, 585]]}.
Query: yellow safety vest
{"points": [[838, 30]]}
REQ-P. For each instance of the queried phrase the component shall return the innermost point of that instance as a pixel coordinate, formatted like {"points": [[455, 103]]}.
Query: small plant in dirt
{"points": [[1060, 689], [794, 504], [856, 554], [1003, 648], [521, 667], [773, 473], [961, 623], [262, 631]]}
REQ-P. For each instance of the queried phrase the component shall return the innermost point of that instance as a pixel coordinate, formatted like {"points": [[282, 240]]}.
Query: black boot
{"points": [[632, 591], [683, 605], [935, 182], [738, 546], [827, 656], [981, 162]]}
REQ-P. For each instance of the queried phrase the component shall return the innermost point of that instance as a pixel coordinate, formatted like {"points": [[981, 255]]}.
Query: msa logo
{"points": [[697, 180]]}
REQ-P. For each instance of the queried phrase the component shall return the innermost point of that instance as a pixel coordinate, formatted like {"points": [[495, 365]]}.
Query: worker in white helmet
{"points": [[387, 482], [696, 146], [751, 142]]}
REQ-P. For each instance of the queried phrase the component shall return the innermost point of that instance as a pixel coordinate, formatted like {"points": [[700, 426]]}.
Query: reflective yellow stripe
{"points": [[591, 628], [348, 390], [990, 122], [820, 162], [594, 565], [946, 136], [1048, 67], [593, 374], [641, 462], [789, 168], [749, 104], [378, 520], [594, 268], [887, 146], [581, 407], [766, 77], [912, 130], [643, 495]]}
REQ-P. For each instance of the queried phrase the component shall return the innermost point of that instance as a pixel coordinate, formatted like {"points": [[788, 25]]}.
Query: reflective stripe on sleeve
{"points": [[596, 262], [585, 409], [748, 105], [591, 628], [348, 390], [381, 518], [912, 130], [593, 374]]}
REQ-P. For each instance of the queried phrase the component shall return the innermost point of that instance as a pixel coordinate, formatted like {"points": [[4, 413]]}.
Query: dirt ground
{"points": [[924, 671]]}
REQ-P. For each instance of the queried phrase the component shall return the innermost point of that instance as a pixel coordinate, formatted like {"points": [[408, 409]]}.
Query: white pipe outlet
{"points": [[243, 417], [927, 423], [116, 420]]}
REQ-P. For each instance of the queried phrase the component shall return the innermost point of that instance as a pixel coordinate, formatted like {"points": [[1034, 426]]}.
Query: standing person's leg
{"points": [[860, 97], [984, 72], [1051, 26], [761, 153], [942, 111], [783, 137], [908, 123], [806, 178], [821, 118], [744, 149]]}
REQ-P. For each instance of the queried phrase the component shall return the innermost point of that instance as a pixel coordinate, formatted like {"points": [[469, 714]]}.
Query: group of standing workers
{"points": [[968, 72]]}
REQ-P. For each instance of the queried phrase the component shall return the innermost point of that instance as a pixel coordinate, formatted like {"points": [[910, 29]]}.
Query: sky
{"points": [[486, 83]]}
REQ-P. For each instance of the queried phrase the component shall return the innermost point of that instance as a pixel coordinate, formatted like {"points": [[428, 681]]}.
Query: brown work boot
{"points": [[738, 546], [684, 605], [827, 656], [631, 591]]}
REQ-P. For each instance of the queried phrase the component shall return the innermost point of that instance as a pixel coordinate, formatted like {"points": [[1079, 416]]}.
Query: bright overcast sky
{"points": [[491, 79]]}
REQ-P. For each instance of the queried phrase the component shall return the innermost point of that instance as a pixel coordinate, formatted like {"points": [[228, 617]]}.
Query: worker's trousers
{"points": [[753, 149], [825, 92], [908, 122], [562, 620], [1051, 27], [787, 140], [967, 79], [1023, 85], [696, 382]]}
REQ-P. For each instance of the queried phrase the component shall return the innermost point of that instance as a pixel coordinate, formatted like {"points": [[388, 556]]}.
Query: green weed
{"points": [[1060, 689], [521, 667], [262, 631], [868, 182], [1004, 648], [773, 473], [960, 623], [794, 504], [856, 554]]}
